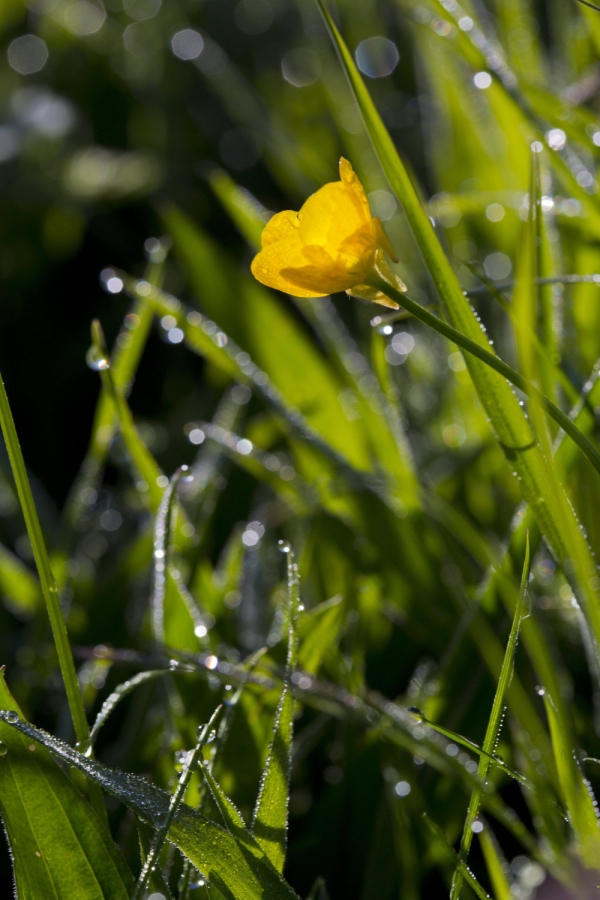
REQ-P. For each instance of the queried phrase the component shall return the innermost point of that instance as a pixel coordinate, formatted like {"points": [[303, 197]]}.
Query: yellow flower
{"points": [[332, 244]]}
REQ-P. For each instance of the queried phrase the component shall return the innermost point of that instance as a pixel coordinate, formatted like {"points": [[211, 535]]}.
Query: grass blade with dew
{"points": [[124, 360], [61, 848], [494, 724], [190, 764], [236, 871], [466, 874], [157, 881], [113, 700], [270, 818], [576, 791], [161, 549]]}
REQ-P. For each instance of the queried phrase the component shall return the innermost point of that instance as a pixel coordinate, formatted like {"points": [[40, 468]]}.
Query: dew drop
{"points": [[3, 749], [415, 711], [96, 360], [284, 547], [11, 716]]}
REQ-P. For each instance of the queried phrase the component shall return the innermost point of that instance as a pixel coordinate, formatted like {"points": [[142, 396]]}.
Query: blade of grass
{"points": [[498, 869], [577, 794], [47, 581], [494, 724], [269, 822], [466, 874]]}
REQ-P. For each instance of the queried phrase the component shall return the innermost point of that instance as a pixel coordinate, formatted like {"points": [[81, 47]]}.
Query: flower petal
{"points": [[351, 179], [330, 216], [273, 265], [279, 227]]}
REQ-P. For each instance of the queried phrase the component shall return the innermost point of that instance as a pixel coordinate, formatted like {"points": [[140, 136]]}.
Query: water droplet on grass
{"points": [[96, 360]]}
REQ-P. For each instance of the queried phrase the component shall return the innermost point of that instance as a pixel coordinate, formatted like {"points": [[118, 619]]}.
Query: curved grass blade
{"points": [[494, 724], [119, 694], [237, 871], [456, 860], [60, 847], [269, 822]]}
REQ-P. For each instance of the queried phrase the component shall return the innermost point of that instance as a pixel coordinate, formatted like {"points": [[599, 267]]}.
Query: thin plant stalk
{"points": [[493, 728], [47, 579]]}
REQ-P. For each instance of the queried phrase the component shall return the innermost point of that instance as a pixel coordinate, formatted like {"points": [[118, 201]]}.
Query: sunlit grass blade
{"points": [[231, 815], [270, 818], [466, 874], [60, 846], [494, 723], [577, 793], [498, 869], [237, 872]]}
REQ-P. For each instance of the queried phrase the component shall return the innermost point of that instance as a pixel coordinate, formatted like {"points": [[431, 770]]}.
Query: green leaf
{"points": [[269, 822], [238, 872], [60, 848]]}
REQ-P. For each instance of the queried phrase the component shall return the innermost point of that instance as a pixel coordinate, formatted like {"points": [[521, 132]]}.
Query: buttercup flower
{"points": [[332, 244]]}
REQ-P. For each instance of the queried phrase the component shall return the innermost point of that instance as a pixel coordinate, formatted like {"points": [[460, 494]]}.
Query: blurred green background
{"points": [[117, 121]]}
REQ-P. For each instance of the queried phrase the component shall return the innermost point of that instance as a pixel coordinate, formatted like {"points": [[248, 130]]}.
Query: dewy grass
{"points": [[385, 454]]}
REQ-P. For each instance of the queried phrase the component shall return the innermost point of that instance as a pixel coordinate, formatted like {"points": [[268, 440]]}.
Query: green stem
{"points": [[47, 580], [494, 362]]}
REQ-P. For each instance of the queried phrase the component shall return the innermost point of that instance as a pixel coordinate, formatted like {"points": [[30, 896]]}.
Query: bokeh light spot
{"points": [[482, 80], [497, 266], [301, 67], [377, 57], [27, 54], [187, 44], [85, 17]]}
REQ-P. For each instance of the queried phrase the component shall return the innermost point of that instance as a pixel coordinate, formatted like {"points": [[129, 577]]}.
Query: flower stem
{"points": [[515, 378]]}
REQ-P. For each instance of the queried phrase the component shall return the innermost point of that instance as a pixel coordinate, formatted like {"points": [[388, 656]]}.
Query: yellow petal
{"points": [[331, 215], [287, 254], [279, 227], [352, 181]]}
